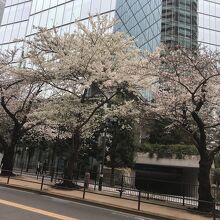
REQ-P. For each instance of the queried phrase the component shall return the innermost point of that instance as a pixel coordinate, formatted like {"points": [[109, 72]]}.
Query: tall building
{"points": [[183, 22], [21, 17], [180, 23], [188, 23]]}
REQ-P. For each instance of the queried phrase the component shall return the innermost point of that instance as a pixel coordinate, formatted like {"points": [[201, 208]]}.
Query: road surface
{"points": [[21, 205]]}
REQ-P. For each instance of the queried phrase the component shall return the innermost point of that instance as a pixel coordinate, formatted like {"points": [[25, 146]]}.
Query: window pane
{"points": [[43, 20], [68, 12], [8, 31], [39, 5], [77, 9], [8, 2], [2, 32], [51, 17], [46, 4], [105, 6], [15, 31], [95, 7], [53, 3], [85, 8], [30, 25], [5, 16], [59, 15], [34, 5], [19, 12], [26, 11], [113, 5], [36, 21], [11, 17], [22, 30]]}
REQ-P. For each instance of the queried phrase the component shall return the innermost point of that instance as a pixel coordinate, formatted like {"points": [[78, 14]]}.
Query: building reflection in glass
{"points": [[188, 23]]}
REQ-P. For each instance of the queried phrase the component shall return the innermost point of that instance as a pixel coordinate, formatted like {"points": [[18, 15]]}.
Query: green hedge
{"points": [[167, 151]]}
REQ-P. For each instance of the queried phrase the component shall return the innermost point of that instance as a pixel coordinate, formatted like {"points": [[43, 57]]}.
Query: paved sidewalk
{"points": [[103, 200]]}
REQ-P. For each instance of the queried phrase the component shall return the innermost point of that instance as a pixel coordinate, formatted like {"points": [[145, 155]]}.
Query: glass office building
{"points": [[141, 19], [175, 22], [209, 23], [21, 17], [188, 23], [180, 23]]}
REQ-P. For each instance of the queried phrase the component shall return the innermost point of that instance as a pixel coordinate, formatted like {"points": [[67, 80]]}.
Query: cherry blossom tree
{"points": [[18, 97], [92, 67], [186, 92], [69, 117]]}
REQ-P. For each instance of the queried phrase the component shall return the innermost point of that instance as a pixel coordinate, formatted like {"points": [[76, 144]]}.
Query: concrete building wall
{"points": [[167, 175]]}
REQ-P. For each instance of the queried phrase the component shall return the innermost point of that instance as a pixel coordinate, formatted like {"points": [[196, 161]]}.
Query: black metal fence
{"points": [[154, 187], [170, 193]]}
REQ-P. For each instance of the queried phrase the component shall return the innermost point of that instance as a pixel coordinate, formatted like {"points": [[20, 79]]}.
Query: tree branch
{"points": [[97, 108], [9, 113]]}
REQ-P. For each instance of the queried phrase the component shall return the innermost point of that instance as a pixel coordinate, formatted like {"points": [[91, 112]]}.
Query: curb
{"points": [[156, 216]]}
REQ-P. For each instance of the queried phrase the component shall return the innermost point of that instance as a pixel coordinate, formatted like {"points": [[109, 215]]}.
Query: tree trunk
{"points": [[70, 171], [205, 196], [9, 152], [8, 161]]}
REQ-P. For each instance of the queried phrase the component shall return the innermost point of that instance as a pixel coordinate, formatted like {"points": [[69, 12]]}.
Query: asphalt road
{"points": [[21, 205]]}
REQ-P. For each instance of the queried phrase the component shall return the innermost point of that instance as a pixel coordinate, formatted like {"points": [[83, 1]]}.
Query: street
{"points": [[21, 205]]}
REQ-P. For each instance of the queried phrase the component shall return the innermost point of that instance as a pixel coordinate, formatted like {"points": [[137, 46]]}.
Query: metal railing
{"points": [[186, 197]]}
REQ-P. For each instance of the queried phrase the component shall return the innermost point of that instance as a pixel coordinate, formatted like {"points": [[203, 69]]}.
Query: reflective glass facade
{"points": [[180, 23], [63, 13], [142, 20], [188, 23], [183, 22], [14, 21], [209, 23], [21, 17]]}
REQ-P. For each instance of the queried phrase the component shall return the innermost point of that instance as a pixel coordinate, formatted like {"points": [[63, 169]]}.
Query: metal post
{"points": [[213, 211], [27, 159], [148, 191], [9, 175], [100, 181], [22, 165], [183, 191], [42, 183], [95, 182], [103, 161], [84, 190], [52, 175], [122, 183], [139, 200]]}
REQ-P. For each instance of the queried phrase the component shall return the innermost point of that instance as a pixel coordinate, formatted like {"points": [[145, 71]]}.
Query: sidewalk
{"points": [[28, 183]]}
